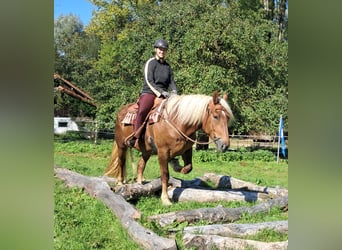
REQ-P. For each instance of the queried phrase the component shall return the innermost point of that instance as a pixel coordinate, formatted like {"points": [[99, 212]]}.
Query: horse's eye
{"points": [[216, 117]]}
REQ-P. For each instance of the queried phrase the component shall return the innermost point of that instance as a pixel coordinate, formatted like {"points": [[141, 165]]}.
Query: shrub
{"points": [[238, 155], [264, 155]]}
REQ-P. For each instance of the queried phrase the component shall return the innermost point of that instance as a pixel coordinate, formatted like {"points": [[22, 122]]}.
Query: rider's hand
{"points": [[174, 92], [165, 94]]}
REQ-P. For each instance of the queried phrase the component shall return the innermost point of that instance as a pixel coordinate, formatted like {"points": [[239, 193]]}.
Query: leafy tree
{"points": [[109, 19], [75, 53]]}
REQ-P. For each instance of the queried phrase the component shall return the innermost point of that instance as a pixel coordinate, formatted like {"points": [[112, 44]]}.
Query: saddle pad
{"points": [[153, 116], [129, 118]]}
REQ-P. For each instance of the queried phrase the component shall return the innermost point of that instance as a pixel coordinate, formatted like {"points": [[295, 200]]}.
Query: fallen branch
{"points": [[218, 214], [205, 242], [238, 230], [124, 211]]}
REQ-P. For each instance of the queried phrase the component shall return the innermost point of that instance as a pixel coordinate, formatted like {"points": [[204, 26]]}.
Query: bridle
{"points": [[184, 135]]}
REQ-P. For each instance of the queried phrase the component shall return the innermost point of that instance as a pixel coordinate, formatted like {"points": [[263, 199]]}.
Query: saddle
{"points": [[152, 117]]}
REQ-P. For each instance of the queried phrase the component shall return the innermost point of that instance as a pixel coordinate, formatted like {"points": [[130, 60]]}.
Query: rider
{"points": [[158, 79]]}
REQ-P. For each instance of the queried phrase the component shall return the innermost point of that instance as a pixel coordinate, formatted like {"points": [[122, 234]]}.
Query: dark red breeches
{"points": [[145, 105]]}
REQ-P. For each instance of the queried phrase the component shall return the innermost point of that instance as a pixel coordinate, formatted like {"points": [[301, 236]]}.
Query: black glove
{"points": [[165, 94]]}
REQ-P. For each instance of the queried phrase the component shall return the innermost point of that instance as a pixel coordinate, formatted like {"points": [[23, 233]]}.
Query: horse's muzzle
{"points": [[221, 146]]}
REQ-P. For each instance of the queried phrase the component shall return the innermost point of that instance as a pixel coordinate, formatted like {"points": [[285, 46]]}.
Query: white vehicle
{"points": [[63, 124]]}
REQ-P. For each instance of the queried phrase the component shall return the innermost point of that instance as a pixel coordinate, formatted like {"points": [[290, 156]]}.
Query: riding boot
{"points": [[133, 141]]}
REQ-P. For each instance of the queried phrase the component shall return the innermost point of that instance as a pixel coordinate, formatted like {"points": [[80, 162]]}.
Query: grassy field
{"points": [[82, 222]]}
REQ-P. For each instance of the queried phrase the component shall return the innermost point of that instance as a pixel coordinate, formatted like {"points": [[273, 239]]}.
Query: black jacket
{"points": [[158, 77]]}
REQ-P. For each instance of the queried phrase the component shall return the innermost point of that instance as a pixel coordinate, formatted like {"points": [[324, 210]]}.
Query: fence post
{"points": [[95, 132]]}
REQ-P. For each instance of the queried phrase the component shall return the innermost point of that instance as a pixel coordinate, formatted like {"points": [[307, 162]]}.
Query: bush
{"points": [[264, 155], [239, 155]]}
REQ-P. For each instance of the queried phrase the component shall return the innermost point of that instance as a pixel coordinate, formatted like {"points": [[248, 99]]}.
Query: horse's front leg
{"points": [[141, 167], [187, 158], [164, 170]]}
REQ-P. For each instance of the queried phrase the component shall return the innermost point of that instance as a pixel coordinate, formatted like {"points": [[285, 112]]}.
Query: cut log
{"points": [[227, 182], [230, 189], [209, 195], [238, 230], [218, 214], [124, 211], [135, 190], [208, 242]]}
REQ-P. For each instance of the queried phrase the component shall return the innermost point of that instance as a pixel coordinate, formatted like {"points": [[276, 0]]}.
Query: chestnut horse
{"points": [[173, 135]]}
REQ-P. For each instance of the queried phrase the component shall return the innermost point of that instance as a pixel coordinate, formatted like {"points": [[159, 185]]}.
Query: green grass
{"points": [[82, 222]]}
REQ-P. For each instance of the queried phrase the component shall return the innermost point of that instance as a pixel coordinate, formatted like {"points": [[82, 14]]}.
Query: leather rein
{"points": [[182, 133]]}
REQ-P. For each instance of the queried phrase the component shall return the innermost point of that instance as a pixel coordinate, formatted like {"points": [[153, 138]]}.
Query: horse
{"points": [[173, 134]]}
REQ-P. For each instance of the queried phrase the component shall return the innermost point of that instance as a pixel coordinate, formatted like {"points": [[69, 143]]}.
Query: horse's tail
{"points": [[113, 169]]}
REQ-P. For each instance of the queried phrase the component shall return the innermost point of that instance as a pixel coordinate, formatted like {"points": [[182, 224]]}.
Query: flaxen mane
{"points": [[190, 109]]}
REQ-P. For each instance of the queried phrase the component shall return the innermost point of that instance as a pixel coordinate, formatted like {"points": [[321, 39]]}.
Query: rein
{"points": [[184, 135]]}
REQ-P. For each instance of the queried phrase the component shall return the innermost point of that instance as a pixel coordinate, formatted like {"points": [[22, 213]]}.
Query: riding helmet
{"points": [[161, 43]]}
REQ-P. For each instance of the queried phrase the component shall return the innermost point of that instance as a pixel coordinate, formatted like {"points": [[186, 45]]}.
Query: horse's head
{"points": [[216, 121]]}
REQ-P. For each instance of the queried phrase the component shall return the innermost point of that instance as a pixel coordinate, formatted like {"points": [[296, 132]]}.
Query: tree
{"points": [[75, 53], [109, 19]]}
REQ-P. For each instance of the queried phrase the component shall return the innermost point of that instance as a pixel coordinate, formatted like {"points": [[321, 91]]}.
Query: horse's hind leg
{"points": [[141, 167]]}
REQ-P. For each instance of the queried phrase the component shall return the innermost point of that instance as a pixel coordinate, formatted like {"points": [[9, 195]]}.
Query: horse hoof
{"points": [[166, 202], [186, 169]]}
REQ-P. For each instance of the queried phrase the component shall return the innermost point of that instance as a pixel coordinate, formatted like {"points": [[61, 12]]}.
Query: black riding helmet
{"points": [[161, 43]]}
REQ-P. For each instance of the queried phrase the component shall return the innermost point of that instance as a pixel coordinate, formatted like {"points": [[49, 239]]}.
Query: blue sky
{"points": [[81, 8]]}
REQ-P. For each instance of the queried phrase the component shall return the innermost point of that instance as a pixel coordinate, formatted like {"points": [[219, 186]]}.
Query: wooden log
{"points": [[208, 242], [209, 195], [136, 190], [238, 230], [218, 214], [228, 182], [242, 191], [124, 211], [197, 182]]}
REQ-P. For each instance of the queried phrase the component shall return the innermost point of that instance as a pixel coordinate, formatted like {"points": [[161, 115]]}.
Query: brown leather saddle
{"points": [[152, 117]]}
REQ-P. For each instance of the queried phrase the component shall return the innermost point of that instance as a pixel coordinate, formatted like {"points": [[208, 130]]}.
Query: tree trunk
{"points": [[208, 242], [282, 13], [124, 211], [218, 214]]}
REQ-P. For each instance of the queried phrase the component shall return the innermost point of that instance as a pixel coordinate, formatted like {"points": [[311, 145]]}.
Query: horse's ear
{"points": [[225, 97], [216, 97]]}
